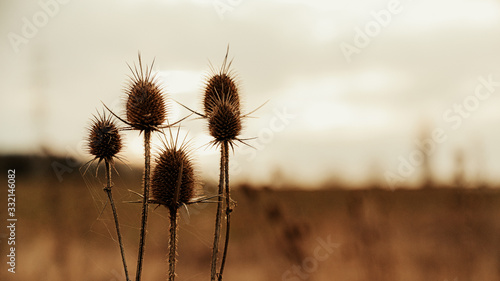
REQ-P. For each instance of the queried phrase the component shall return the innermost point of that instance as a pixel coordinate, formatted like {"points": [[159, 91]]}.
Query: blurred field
{"points": [[428, 234]]}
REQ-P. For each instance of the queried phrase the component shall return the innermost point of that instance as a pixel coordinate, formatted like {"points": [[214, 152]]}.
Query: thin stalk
{"points": [[172, 255], [225, 147], [218, 218], [107, 189], [144, 218]]}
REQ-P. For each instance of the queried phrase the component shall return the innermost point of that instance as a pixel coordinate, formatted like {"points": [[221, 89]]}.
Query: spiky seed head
{"points": [[224, 124], [104, 140], [146, 108], [171, 162], [220, 87]]}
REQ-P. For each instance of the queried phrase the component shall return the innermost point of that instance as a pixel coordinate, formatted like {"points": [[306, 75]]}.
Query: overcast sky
{"points": [[350, 85]]}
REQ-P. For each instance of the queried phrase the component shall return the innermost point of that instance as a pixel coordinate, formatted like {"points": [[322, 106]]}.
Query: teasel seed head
{"points": [[104, 140], [145, 108], [174, 170], [224, 124], [221, 86]]}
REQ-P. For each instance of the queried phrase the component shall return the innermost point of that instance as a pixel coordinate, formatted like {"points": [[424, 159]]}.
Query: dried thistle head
{"points": [[104, 140], [221, 102], [221, 86], [173, 180], [224, 124], [145, 108]]}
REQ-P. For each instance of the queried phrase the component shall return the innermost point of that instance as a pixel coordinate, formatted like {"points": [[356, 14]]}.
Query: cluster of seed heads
{"points": [[221, 103], [173, 178]]}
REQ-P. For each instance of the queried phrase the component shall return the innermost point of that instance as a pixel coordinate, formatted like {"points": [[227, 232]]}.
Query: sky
{"points": [[353, 90]]}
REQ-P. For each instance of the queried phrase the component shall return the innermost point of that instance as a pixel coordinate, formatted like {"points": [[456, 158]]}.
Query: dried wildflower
{"points": [[173, 181], [104, 140], [219, 88], [146, 111], [221, 104], [172, 185], [224, 124], [145, 108]]}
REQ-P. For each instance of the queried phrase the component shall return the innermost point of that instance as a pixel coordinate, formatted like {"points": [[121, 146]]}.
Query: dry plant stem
{"points": [[225, 147], [115, 215], [144, 218], [172, 255], [218, 219]]}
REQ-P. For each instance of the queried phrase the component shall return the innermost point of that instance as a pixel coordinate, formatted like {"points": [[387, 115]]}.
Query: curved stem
{"points": [[228, 207], [218, 219], [144, 217], [107, 189]]}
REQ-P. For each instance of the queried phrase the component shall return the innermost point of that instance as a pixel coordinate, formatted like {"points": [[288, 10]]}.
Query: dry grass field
{"points": [[333, 234]]}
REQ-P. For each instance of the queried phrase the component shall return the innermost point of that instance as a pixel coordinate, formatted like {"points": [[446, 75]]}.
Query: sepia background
{"points": [[375, 129]]}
